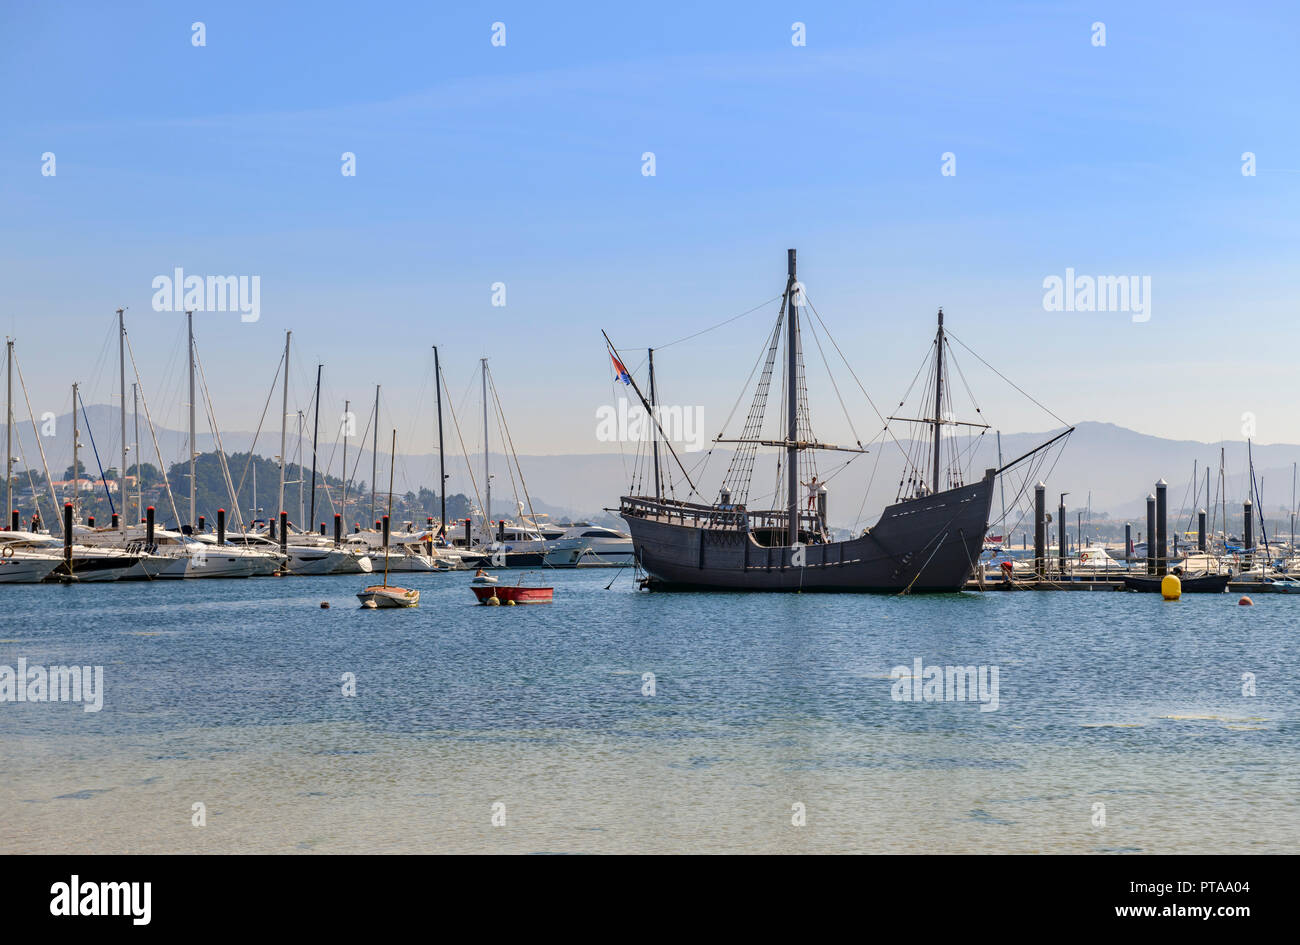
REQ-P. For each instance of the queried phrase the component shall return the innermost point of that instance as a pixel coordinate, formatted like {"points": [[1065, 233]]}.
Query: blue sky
{"points": [[522, 164]]}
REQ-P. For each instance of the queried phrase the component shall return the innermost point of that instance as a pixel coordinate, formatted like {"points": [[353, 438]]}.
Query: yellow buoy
{"points": [[1171, 587], [510, 602], [493, 601]]}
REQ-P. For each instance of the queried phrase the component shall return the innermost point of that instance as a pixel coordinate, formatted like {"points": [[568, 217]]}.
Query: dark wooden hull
{"points": [[928, 544], [1206, 584]]}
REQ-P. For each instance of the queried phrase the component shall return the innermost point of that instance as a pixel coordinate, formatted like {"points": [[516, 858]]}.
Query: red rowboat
{"points": [[519, 595]]}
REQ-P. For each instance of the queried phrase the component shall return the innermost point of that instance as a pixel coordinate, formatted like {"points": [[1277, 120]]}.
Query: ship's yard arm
{"points": [[1036, 449]]}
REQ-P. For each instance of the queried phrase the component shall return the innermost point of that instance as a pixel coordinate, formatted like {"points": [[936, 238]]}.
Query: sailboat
{"points": [[928, 540], [501, 543], [388, 595]]}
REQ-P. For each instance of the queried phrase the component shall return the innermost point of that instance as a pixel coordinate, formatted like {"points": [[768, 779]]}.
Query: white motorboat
{"points": [[183, 556], [89, 562], [315, 559], [353, 561], [602, 545], [519, 546], [26, 567], [1092, 558], [413, 556]]}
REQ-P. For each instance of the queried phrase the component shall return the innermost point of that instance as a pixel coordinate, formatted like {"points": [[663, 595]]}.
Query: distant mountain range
{"points": [[1116, 466]]}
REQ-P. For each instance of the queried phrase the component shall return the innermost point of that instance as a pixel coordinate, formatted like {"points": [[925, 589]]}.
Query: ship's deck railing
{"points": [[735, 517]]}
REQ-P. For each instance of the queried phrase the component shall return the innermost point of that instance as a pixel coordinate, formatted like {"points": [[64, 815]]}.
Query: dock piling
{"points": [[1248, 531], [1060, 535], [67, 535], [1040, 529], [1162, 528], [1151, 534]]}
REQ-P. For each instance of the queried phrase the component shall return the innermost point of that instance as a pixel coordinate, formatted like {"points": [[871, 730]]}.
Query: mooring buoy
{"points": [[1170, 587]]}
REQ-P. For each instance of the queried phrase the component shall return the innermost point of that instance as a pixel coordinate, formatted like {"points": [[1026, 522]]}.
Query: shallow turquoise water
{"points": [[774, 686]]}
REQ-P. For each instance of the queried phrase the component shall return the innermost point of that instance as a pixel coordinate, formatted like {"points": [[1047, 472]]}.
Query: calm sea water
{"points": [[772, 726]]}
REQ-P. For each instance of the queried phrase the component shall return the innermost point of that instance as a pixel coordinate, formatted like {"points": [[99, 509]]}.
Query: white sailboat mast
{"points": [[9, 428], [189, 320], [76, 454], [487, 475], [284, 419], [374, 456], [121, 391]]}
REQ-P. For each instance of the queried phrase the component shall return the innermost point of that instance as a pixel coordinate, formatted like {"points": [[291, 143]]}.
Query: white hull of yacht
{"points": [[148, 568], [23, 568], [615, 553], [99, 568], [215, 563], [411, 562], [310, 560], [353, 563]]}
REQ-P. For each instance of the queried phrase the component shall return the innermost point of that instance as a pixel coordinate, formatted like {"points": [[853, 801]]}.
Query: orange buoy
{"points": [[1246, 602]]}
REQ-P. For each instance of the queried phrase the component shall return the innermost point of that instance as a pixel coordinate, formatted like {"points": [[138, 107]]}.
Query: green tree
{"points": [[148, 473]]}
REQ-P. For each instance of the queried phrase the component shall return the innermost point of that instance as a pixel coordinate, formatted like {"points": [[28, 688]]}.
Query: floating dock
{"points": [[1108, 584]]}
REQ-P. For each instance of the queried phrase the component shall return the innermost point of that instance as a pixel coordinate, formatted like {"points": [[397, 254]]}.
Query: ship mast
{"points": [[792, 401], [442, 471], [9, 428], [189, 321], [135, 445], [284, 420], [938, 399], [76, 462], [487, 476], [654, 433], [315, 432], [347, 408], [374, 455], [121, 391]]}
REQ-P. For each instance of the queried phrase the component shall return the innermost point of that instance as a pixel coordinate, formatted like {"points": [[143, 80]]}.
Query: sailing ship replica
{"points": [[930, 539]]}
